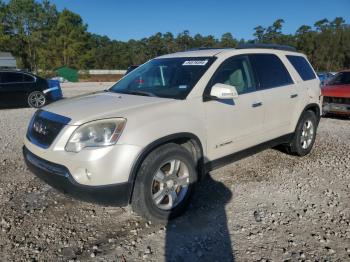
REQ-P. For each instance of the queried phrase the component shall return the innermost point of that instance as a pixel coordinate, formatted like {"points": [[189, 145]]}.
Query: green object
{"points": [[68, 73]]}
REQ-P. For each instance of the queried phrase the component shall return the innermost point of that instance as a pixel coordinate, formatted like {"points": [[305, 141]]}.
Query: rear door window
{"points": [[10, 77], [302, 66], [270, 71]]}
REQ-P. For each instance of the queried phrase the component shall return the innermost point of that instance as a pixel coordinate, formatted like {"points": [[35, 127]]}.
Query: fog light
{"points": [[88, 174]]}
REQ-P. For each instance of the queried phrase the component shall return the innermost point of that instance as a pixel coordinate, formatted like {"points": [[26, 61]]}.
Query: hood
{"points": [[336, 90], [99, 105]]}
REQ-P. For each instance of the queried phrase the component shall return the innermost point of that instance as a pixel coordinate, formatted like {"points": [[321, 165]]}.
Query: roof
{"points": [[6, 55], [226, 51], [13, 70], [266, 46], [196, 53]]}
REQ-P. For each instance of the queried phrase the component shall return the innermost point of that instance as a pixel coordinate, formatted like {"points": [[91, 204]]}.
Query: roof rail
{"points": [[13, 69], [267, 46], [207, 48]]}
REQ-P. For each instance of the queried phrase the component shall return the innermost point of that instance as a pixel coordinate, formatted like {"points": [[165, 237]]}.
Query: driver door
{"points": [[234, 124]]}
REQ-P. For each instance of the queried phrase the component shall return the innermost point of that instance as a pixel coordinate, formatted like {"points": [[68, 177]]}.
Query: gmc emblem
{"points": [[40, 128]]}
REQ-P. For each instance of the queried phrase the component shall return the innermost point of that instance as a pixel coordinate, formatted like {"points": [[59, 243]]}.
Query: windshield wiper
{"points": [[137, 92]]}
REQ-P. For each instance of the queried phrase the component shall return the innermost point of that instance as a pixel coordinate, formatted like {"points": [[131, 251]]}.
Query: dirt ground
{"points": [[268, 207]]}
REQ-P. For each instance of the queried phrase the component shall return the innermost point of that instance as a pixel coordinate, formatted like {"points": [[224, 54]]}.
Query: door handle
{"points": [[257, 104], [293, 96]]}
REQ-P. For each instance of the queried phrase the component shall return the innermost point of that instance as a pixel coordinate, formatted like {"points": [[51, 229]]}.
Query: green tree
{"points": [[4, 28], [259, 33], [71, 38], [274, 33], [169, 42], [42, 38], [24, 29], [321, 25], [155, 45], [227, 40], [48, 18], [305, 39], [184, 40]]}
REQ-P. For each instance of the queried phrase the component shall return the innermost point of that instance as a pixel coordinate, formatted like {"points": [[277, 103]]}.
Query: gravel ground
{"points": [[268, 207]]}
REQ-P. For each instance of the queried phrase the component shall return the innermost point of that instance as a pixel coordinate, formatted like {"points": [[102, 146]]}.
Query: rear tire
{"points": [[36, 99], [304, 135], [164, 183]]}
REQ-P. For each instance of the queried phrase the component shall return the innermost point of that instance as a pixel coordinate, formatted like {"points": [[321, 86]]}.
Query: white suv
{"points": [[148, 139]]}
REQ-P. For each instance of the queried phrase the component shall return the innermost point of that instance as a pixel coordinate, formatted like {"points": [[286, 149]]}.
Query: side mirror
{"points": [[222, 91]]}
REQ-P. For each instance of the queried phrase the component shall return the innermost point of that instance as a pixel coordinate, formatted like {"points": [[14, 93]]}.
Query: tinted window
{"points": [[236, 71], [302, 66], [28, 78], [270, 71], [9, 77], [342, 78]]}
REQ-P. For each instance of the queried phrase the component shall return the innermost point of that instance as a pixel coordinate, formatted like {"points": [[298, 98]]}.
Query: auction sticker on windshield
{"points": [[196, 62]]}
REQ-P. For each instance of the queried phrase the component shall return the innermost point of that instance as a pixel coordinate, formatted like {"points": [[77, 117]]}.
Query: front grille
{"points": [[44, 128], [337, 100]]}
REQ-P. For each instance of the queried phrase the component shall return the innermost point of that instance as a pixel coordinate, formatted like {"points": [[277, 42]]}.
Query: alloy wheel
{"points": [[36, 99], [170, 184], [307, 134]]}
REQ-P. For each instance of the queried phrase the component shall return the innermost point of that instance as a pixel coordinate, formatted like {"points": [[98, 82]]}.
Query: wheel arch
{"points": [[314, 108], [187, 140], [310, 107]]}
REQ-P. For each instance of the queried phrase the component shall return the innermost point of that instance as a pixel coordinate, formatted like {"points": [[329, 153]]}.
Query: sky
{"points": [[135, 19]]}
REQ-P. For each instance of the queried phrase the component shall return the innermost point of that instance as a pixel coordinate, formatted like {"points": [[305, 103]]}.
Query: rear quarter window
{"points": [[28, 78], [270, 71], [302, 66]]}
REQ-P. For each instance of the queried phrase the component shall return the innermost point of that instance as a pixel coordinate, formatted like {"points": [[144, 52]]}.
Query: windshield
{"points": [[164, 77], [342, 78]]}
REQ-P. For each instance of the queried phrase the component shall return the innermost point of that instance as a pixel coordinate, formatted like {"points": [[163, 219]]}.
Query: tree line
{"points": [[43, 38]]}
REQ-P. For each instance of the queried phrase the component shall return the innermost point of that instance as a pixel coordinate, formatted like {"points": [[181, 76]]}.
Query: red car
{"points": [[336, 94]]}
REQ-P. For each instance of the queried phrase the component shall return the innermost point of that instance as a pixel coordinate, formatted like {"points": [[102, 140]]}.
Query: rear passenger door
{"points": [[29, 84], [279, 92]]}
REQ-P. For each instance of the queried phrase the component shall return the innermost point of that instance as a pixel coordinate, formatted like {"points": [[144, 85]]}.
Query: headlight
{"points": [[98, 133]]}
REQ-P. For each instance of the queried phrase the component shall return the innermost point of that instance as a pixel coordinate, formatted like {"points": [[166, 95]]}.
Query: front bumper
{"points": [[53, 96], [91, 166], [54, 92], [336, 108], [59, 177]]}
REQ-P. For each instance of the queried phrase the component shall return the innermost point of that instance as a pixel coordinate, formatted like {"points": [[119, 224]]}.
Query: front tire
{"points": [[36, 99], [164, 183], [305, 135]]}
